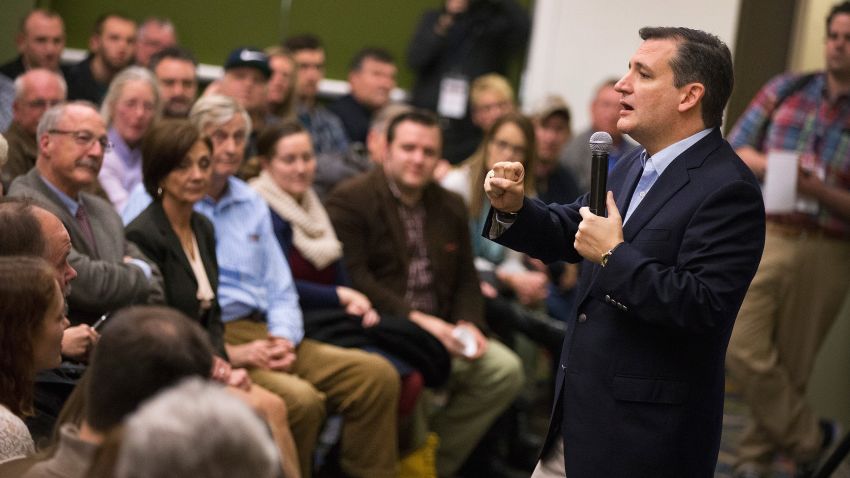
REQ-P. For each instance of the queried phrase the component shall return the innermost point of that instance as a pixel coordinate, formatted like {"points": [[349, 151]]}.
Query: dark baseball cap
{"points": [[250, 57]]}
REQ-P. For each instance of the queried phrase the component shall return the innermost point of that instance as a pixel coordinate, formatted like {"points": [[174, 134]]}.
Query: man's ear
{"points": [[94, 43], [690, 96], [43, 144]]}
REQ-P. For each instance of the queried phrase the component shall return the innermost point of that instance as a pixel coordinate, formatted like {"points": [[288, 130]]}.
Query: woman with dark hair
{"points": [[32, 320], [506, 274], [177, 169], [334, 312]]}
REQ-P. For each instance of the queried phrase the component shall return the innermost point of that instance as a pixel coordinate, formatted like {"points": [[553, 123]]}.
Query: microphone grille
{"points": [[600, 142]]}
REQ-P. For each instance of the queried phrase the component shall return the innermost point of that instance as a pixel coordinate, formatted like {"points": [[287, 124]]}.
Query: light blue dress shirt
{"points": [[253, 273], [660, 161]]}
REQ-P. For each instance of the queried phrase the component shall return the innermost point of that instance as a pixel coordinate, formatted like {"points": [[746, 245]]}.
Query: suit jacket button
{"points": [[607, 299], [582, 318]]}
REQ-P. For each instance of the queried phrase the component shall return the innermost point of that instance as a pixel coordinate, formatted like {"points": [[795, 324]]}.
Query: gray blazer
{"points": [[104, 281]]}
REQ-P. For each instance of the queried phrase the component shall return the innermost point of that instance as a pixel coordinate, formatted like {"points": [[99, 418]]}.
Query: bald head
{"points": [[58, 247], [30, 230], [35, 92]]}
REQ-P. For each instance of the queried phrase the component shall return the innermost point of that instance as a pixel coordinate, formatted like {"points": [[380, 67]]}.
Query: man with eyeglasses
{"points": [[112, 272], [35, 92]]}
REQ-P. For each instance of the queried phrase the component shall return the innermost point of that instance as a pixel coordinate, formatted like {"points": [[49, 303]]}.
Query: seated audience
{"points": [[177, 170], [246, 75], [280, 96], [129, 109], [555, 184], [142, 350], [406, 245], [155, 35], [112, 272], [40, 41], [511, 138], [174, 68], [191, 429], [604, 113], [335, 162], [4, 156], [371, 76], [263, 325], [35, 91], [111, 49], [333, 311], [32, 319], [376, 140]]}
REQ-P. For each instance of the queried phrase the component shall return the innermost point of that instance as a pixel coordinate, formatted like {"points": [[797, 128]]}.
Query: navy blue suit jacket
{"points": [[639, 390]]}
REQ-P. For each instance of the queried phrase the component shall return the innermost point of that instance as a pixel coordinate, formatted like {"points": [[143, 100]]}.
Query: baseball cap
{"points": [[250, 57], [550, 105]]}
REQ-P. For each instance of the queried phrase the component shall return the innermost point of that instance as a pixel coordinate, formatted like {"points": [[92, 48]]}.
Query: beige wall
{"points": [[809, 32], [829, 389]]}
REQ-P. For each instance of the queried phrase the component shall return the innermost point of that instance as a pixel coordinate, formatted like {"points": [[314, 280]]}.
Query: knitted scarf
{"points": [[313, 234]]}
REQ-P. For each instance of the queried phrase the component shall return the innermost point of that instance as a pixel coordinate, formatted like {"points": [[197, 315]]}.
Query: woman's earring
{"points": [[159, 192]]}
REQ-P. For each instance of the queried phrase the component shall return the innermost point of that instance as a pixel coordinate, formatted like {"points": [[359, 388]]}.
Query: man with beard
{"points": [[111, 46], [801, 283], [40, 42], [174, 68]]}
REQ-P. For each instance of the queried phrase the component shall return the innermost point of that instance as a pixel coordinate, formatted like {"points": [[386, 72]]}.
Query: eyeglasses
{"points": [[41, 103], [86, 138], [505, 146]]}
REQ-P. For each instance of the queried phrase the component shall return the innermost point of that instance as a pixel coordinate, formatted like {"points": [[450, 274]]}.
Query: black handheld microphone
{"points": [[600, 144]]}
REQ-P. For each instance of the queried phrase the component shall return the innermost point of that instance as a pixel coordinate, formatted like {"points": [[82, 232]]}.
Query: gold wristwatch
{"points": [[607, 255]]}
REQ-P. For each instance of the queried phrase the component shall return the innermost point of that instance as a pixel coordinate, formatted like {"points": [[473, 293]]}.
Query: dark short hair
{"points": [[842, 8], [141, 351], [27, 289], [418, 116], [164, 148], [174, 53], [98, 23], [269, 137], [20, 230], [700, 58], [306, 41], [378, 54]]}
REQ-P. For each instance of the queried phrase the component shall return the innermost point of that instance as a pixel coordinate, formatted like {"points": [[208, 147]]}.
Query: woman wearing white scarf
{"points": [[286, 183]]}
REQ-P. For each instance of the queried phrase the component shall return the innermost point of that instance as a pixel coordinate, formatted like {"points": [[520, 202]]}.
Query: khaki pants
{"points": [[792, 302], [478, 392], [362, 387]]}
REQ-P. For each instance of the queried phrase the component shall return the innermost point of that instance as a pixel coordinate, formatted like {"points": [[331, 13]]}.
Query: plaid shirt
{"points": [[808, 123], [420, 279]]}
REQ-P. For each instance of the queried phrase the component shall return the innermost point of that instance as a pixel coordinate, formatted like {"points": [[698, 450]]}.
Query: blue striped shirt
{"points": [[253, 274]]}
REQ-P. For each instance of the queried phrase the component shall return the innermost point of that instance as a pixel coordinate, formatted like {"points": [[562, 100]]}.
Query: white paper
{"points": [[780, 182], [454, 93]]}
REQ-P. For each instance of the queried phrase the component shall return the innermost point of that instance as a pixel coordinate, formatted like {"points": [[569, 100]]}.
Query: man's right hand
{"points": [[504, 186], [440, 329], [78, 341]]}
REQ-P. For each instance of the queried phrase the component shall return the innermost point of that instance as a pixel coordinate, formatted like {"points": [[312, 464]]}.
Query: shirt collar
{"points": [[70, 203], [665, 157], [121, 149], [236, 192]]}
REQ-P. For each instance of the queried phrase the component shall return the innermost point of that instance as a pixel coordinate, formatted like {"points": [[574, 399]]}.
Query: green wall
{"points": [[211, 28]]}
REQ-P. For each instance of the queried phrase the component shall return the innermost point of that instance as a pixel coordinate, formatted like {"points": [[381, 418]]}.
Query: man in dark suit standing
{"points": [[639, 392]]}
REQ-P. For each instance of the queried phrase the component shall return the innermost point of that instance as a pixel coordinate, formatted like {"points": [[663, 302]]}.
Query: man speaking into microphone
{"points": [[639, 391]]}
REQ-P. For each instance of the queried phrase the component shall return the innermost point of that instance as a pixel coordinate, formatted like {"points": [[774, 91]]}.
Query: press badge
{"points": [[454, 95]]}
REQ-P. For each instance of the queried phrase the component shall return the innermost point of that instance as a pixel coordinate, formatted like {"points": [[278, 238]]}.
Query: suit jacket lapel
{"points": [[674, 178], [170, 238], [57, 207], [391, 215]]}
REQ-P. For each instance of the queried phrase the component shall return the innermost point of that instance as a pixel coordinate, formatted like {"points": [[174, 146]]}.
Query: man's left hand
{"points": [[596, 234]]}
